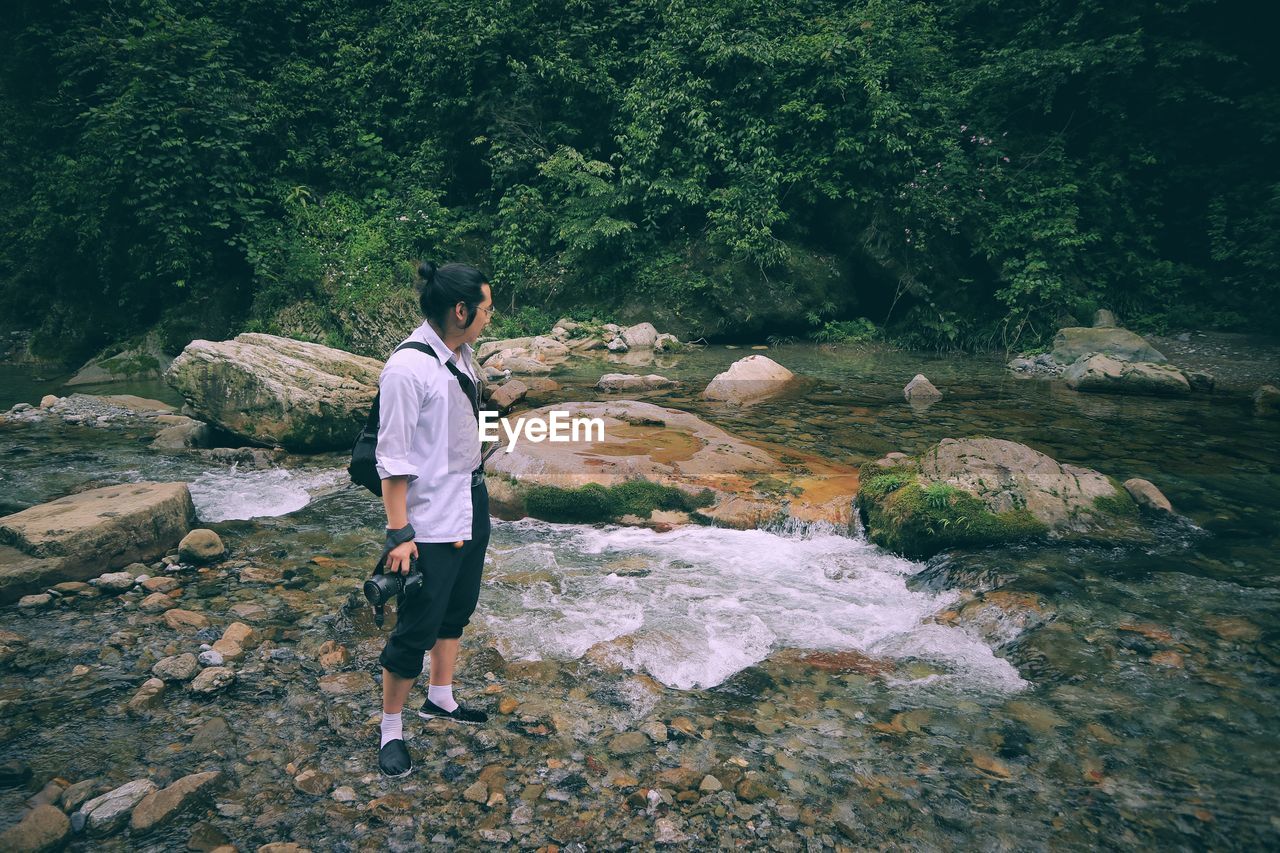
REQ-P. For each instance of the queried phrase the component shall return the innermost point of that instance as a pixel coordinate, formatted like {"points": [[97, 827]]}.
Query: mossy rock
{"points": [[596, 503], [919, 520]]}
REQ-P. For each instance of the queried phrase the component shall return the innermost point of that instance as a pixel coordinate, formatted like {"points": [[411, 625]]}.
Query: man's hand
{"points": [[398, 558]]}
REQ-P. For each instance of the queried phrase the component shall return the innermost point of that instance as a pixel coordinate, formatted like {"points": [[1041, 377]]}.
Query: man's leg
{"points": [[444, 654], [395, 690]]}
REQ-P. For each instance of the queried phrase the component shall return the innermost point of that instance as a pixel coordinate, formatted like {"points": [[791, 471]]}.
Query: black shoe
{"points": [[461, 714], [394, 760]]}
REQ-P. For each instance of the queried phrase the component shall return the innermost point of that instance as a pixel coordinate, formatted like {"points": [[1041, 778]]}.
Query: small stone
{"points": [[261, 574], [201, 546], [212, 680], [656, 731], [334, 655], [250, 611], [710, 784], [347, 684], [160, 584], [176, 667], [495, 836], [344, 794], [313, 782], [210, 658], [684, 726], [921, 390], [1266, 400], [157, 602], [114, 582], [665, 831], [49, 400], [147, 697], [229, 649], [507, 705], [38, 601], [629, 743], [750, 790], [185, 621], [478, 792], [1171, 659], [241, 634], [45, 827], [76, 794]]}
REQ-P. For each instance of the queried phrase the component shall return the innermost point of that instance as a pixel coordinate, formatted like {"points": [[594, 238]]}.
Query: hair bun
{"points": [[427, 271]]}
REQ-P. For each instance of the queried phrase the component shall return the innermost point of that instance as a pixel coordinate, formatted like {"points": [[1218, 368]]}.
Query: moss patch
{"points": [[920, 520], [130, 364], [595, 503]]}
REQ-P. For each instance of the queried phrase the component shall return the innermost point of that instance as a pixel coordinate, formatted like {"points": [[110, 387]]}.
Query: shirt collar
{"points": [[430, 337]]}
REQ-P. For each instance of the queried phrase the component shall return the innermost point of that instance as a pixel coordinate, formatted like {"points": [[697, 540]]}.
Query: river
{"points": [[1049, 696]]}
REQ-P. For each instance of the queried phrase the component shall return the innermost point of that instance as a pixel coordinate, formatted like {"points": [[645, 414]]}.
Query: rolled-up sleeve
{"points": [[399, 409]]}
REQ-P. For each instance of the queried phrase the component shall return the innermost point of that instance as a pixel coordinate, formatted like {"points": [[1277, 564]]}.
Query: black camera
{"points": [[382, 587]]}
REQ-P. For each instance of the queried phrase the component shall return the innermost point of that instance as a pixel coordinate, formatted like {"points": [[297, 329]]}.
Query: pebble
{"points": [[495, 836], [344, 794], [212, 680], [629, 743], [247, 610], [313, 782], [114, 582], [176, 667], [148, 696], [477, 792], [209, 657], [159, 807], [201, 546], [185, 621], [710, 784], [43, 828], [656, 731], [38, 601], [107, 813], [228, 649], [160, 584], [157, 602]]}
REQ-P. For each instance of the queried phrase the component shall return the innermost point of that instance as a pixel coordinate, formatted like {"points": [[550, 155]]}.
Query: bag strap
{"points": [[468, 385]]}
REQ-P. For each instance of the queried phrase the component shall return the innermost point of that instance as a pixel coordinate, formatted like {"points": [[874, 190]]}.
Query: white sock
{"points": [[442, 696], [391, 729]]}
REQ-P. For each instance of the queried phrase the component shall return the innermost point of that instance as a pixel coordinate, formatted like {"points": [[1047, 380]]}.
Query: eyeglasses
{"points": [[488, 311]]}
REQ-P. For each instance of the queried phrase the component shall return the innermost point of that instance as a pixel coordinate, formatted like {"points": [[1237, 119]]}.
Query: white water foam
{"points": [[694, 606], [234, 494]]}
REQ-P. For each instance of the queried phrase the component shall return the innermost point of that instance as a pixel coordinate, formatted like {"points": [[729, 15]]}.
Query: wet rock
{"points": [[617, 345], [74, 588], [176, 667], [241, 634], [612, 382], [1146, 495], [38, 601], [667, 343], [107, 813], [1074, 342], [261, 574], [201, 546], [1107, 374], [157, 602], [76, 795], [640, 336], [710, 784], [112, 582], [228, 649], [508, 705], [508, 394], [1168, 658], [344, 794], [656, 731], [185, 621], [680, 778], [43, 828], [477, 792], [990, 765], [213, 735], [249, 611], [1266, 401], [160, 584], [76, 537], [14, 773], [1200, 380], [750, 379], [147, 697], [665, 832], [212, 680], [159, 807], [313, 782], [1234, 628], [210, 658], [629, 743], [921, 390], [752, 790], [347, 684], [495, 836], [282, 847], [334, 655], [181, 433]]}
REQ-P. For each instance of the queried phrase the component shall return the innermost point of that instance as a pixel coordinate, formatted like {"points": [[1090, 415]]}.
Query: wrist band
{"points": [[399, 536]]}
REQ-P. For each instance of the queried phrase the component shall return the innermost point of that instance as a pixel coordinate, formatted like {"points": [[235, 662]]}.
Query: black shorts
{"points": [[445, 604]]}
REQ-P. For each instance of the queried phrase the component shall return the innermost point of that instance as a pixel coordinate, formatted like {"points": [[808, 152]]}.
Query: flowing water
{"points": [[1027, 697]]}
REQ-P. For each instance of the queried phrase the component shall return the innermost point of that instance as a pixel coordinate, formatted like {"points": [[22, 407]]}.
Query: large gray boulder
{"points": [[1107, 374], [748, 380], [81, 536], [302, 396], [1075, 341]]}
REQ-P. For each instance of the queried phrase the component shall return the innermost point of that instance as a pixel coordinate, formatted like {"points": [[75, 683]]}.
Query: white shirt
{"points": [[427, 431]]}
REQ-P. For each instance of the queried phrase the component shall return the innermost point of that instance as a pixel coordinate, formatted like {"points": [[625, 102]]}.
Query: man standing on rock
{"points": [[429, 459]]}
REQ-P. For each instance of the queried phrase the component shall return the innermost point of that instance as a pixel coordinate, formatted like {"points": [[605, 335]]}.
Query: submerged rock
{"points": [[159, 807], [749, 380], [921, 390], [1147, 496], [176, 667], [1104, 373], [107, 813], [630, 382], [1266, 401], [652, 460], [302, 396], [212, 680], [43, 828]]}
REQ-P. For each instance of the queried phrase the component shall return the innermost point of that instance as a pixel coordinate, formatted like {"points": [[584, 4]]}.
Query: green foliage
{"points": [[965, 174], [595, 503]]}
